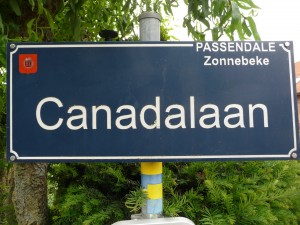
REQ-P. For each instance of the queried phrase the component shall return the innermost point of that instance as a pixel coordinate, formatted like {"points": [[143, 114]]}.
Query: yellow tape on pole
{"points": [[151, 168], [155, 191]]}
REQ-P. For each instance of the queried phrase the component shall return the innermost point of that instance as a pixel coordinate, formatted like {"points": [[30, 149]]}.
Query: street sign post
{"points": [[147, 101]]}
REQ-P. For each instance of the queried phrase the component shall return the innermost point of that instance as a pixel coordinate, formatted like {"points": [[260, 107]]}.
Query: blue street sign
{"points": [[164, 101]]}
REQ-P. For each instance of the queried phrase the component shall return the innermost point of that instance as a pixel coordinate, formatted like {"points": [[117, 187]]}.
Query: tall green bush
{"points": [[2, 115], [216, 193], [90, 193], [235, 192], [3, 188]]}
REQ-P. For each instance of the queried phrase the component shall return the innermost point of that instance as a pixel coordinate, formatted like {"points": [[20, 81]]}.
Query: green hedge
{"points": [[207, 193]]}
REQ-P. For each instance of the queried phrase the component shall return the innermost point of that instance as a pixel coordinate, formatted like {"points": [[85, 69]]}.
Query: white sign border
{"points": [[15, 156]]}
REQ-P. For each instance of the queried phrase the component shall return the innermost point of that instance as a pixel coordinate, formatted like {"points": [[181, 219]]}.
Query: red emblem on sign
{"points": [[28, 63]]}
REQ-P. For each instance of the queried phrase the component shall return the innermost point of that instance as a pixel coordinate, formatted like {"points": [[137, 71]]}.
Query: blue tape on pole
{"points": [[155, 206], [150, 179]]}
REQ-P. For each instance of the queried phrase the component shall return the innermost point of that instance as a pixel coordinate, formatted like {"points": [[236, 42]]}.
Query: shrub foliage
{"points": [[215, 193]]}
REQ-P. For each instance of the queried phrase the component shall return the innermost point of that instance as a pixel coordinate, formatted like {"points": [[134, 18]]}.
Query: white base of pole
{"points": [[158, 221]]}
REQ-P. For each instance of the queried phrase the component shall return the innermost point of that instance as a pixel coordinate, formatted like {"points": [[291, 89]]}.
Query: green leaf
{"points": [[49, 18], [174, 3], [29, 26], [242, 6], [240, 31], [222, 6], [126, 6], [235, 17], [225, 18], [229, 33], [215, 7], [253, 28], [76, 27], [72, 4], [204, 21], [190, 5], [15, 7], [40, 7], [246, 29], [1, 25], [215, 33], [201, 36], [32, 34], [148, 6], [250, 3], [205, 8], [1, 108], [167, 7], [32, 3]]}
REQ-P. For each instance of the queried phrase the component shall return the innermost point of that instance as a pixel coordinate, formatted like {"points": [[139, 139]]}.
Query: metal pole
{"points": [[149, 26], [151, 172]]}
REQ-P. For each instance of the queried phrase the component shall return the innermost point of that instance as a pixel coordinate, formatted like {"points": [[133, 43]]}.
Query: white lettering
{"points": [[242, 61], [199, 45], [94, 116], [192, 111], [38, 113], [156, 109], [81, 117], [180, 115], [206, 47], [174, 116], [239, 116], [131, 116], [236, 46], [251, 114], [214, 115], [206, 63]]}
